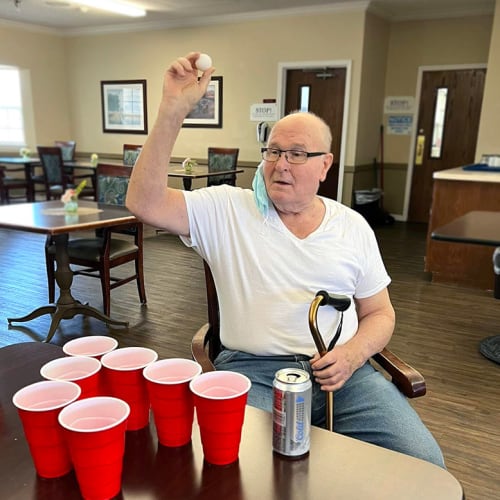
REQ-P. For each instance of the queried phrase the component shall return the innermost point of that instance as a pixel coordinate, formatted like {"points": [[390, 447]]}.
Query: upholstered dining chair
{"points": [[53, 179], [68, 150], [8, 183], [131, 153], [220, 159], [206, 344], [110, 247]]}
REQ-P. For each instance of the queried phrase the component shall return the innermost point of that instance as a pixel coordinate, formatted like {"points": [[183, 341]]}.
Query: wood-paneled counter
{"points": [[456, 192]]}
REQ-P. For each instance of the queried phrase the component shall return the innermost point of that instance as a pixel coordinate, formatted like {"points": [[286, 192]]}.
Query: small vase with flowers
{"points": [[70, 197]]}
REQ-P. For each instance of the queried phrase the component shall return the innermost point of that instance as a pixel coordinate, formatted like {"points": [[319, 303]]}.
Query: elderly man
{"points": [[270, 250]]}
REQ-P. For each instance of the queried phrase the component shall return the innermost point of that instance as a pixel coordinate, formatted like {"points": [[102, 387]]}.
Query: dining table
{"points": [[50, 218], [83, 164], [198, 172], [175, 170], [337, 466], [477, 227], [26, 163]]}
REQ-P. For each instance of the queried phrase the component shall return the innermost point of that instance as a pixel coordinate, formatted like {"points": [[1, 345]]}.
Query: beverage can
{"points": [[292, 389]]}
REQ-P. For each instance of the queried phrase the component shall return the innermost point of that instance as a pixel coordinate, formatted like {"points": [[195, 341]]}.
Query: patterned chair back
{"points": [[52, 164], [67, 149], [130, 153], [220, 159], [112, 183]]}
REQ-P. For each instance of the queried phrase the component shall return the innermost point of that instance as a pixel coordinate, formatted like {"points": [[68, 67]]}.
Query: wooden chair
{"points": [[67, 153], [16, 184], [220, 159], [130, 153], [100, 254], [68, 150], [206, 345], [55, 179]]}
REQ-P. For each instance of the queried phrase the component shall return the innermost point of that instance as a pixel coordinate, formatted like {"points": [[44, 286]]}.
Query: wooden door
{"points": [[464, 89], [326, 88]]}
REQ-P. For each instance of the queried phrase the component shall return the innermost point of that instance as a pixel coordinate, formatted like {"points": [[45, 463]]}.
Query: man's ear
{"points": [[327, 163]]}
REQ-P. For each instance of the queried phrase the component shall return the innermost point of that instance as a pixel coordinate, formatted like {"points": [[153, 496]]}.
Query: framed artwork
{"points": [[124, 106], [208, 111]]}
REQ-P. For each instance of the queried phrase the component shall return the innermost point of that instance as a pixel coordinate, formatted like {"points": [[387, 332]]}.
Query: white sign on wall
{"points": [[267, 112], [399, 104], [399, 124]]}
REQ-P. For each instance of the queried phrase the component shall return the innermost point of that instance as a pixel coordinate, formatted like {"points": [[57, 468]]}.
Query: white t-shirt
{"points": [[266, 277]]}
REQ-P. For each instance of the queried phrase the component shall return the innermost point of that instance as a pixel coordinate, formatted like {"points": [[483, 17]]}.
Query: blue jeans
{"points": [[368, 407]]}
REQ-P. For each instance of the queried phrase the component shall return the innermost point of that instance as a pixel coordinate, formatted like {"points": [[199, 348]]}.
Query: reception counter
{"points": [[456, 192]]}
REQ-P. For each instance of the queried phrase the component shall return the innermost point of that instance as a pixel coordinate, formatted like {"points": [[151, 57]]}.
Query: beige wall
{"points": [[489, 129], [43, 56], [375, 46], [246, 54], [66, 73], [367, 115], [444, 42], [429, 43]]}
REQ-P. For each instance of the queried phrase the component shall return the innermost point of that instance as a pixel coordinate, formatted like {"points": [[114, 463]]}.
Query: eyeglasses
{"points": [[293, 156]]}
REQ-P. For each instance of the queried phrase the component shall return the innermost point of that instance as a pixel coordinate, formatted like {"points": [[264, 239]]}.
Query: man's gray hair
{"points": [[325, 128]]}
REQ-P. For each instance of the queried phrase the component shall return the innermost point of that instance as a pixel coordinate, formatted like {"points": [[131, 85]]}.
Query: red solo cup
{"points": [[38, 406], [123, 376], [95, 433], [83, 371], [171, 400], [220, 398], [94, 346]]}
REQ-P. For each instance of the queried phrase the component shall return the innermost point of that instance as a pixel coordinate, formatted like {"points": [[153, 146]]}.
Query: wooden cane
{"points": [[321, 347]]}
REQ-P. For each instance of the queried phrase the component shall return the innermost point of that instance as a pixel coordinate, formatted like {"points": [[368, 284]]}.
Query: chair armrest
{"points": [[122, 226], [199, 348], [89, 175], [17, 169], [408, 380]]}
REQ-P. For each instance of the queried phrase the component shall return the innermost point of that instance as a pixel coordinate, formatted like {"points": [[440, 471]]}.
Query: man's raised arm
{"points": [[148, 196]]}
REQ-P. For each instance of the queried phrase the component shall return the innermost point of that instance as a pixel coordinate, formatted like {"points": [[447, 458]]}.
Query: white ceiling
{"points": [[66, 17]]}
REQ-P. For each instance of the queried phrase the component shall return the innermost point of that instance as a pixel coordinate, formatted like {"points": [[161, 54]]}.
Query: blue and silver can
{"points": [[292, 391]]}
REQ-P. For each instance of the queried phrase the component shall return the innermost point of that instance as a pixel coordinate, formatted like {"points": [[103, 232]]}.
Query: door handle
{"points": [[419, 150]]}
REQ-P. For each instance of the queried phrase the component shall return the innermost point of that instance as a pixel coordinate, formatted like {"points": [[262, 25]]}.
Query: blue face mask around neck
{"points": [[260, 192]]}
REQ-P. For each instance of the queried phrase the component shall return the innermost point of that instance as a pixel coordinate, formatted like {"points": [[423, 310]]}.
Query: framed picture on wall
{"points": [[208, 111], [124, 106]]}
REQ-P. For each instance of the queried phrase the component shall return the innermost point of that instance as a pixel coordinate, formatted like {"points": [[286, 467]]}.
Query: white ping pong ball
{"points": [[204, 62]]}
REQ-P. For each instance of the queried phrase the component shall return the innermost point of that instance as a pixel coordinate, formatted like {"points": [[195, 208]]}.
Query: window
{"points": [[439, 121], [11, 108], [305, 93]]}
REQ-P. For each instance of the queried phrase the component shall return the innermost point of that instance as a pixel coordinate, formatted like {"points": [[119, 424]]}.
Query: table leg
{"points": [[66, 306], [66, 312], [28, 173], [187, 182], [34, 314]]}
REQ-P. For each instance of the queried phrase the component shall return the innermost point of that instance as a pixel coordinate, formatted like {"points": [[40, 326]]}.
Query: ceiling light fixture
{"points": [[113, 6]]}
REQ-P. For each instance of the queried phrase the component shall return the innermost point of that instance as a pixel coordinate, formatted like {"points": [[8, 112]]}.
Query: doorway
{"points": [[446, 133], [322, 88]]}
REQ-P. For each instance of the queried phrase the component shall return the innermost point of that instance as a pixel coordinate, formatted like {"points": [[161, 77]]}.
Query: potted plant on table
{"points": [[25, 153], [188, 165], [70, 197]]}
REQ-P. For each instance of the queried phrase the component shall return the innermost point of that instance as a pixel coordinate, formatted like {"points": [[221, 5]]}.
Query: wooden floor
{"points": [[438, 330]]}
